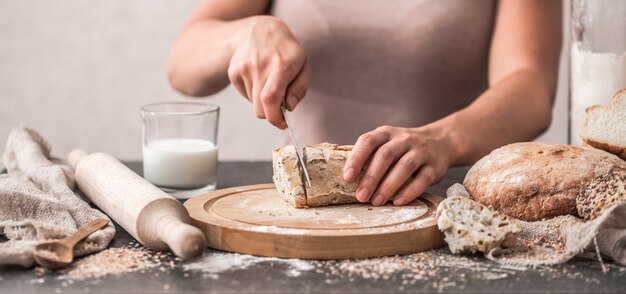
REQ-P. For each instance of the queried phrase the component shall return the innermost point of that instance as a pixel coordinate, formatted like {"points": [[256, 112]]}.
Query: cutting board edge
{"points": [[265, 244]]}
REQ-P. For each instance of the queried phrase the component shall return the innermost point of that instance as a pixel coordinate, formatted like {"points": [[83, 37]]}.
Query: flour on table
{"points": [[348, 219], [133, 258], [214, 263], [279, 230]]}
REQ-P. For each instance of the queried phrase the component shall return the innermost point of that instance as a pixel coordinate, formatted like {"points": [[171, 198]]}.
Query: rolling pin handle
{"points": [[75, 157], [186, 241]]}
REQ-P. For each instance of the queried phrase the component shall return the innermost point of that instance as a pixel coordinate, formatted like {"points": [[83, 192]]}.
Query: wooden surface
{"points": [[154, 218], [256, 220]]}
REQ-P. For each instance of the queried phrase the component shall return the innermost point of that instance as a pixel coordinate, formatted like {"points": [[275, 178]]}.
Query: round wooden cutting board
{"points": [[256, 220]]}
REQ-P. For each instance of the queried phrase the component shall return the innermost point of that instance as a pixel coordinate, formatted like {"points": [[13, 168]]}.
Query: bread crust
{"points": [[615, 149], [532, 181], [618, 150], [324, 163], [601, 194], [288, 177]]}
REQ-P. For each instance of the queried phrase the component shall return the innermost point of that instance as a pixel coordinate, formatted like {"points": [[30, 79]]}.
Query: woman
{"points": [[426, 84]]}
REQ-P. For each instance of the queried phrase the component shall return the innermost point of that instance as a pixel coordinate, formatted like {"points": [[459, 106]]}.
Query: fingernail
{"points": [[348, 174], [399, 201], [378, 200], [362, 194], [291, 102]]}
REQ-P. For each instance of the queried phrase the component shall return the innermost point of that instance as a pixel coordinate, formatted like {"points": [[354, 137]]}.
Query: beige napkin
{"points": [[559, 239], [37, 202]]}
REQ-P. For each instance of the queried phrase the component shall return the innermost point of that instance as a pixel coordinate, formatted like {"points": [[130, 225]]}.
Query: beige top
{"points": [[395, 62]]}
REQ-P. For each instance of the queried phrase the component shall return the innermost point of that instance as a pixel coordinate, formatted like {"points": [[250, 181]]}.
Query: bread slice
{"points": [[531, 181], [605, 127], [602, 194], [288, 176], [324, 163], [469, 226]]}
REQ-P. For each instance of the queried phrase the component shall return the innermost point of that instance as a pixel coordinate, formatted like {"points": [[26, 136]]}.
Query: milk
{"points": [[180, 163], [595, 78]]}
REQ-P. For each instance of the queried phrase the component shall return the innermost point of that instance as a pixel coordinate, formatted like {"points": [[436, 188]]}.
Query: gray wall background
{"points": [[78, 72]]}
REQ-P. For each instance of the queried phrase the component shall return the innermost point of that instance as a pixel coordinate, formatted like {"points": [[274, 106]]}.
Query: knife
{"points": [[295, 144]]}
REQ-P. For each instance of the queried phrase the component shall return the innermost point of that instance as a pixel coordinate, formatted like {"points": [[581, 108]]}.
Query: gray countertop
{"points": [[434, 271]]}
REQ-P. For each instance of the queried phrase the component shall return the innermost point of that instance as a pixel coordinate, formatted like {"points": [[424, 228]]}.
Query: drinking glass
{"points": [[180, 147]]}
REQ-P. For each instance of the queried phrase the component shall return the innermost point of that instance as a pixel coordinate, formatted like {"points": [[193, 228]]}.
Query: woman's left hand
{"points": [[419, 155]]}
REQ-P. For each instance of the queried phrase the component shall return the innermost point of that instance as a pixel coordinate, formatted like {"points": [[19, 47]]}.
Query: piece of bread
{"points": [[601, 194], [605, 127], [532, 181], [325, 162], [288, 176], [469, 226]]}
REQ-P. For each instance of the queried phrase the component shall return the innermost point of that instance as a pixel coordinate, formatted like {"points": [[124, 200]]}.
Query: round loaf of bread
{"points": [[532, 181]]}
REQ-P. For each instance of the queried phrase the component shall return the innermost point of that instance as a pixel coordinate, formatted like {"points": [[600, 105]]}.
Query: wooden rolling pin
{"points": [[154, 218]]}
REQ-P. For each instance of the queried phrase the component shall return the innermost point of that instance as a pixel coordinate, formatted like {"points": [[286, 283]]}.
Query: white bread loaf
{"points": [[324, 163], [469, 226], [532, 181], [605, 127]]}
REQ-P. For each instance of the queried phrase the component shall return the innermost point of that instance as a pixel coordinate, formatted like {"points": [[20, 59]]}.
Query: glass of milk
{"points": [[180, 147]]}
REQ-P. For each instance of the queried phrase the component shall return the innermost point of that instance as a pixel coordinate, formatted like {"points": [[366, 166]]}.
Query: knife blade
{"points": [[295, 144]]}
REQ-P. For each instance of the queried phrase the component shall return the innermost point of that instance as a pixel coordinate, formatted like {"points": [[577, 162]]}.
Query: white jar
{"points": [[598, 56]]}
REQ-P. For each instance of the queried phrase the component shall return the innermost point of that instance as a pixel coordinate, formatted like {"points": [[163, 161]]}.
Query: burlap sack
{"points": [[559, 239], [37, 202]]}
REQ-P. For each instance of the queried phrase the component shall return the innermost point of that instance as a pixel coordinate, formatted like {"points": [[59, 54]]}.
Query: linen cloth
{"points": [[38, 202], [557, 240]]}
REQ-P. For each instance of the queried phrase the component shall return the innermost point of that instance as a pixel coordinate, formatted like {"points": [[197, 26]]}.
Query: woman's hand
{"points": [[268, 64], [419, 155]]}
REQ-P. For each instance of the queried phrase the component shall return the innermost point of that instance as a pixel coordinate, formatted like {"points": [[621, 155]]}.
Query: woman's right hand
{"points": [[268, 64]]}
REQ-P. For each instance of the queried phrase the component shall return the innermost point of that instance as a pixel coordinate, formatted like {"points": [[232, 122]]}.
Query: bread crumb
{"points": [[113, 261]]}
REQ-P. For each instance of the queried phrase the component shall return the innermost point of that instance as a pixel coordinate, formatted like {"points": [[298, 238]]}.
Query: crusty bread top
{"points": [[605, 127], [532, 181]]}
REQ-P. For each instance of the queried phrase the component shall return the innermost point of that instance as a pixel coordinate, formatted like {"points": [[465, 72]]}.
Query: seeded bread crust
{"points": [[324, 163], [469, 226], [601, 194], [532, 181], [287, 176]]}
